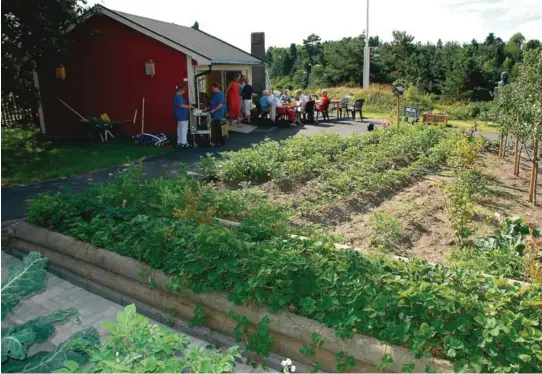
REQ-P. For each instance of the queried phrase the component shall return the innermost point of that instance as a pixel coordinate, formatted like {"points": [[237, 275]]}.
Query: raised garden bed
{"points": [[132, 278]]}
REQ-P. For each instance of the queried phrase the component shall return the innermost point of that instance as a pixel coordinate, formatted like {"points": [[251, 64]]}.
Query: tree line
{"points": [[452, 71]]}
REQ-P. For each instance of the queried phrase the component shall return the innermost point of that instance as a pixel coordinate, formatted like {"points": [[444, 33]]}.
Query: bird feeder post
{"points": [[398, 110]]}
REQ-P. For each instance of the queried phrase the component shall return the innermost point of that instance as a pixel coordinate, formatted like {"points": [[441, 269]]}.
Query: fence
{"points": [[13, 114]]}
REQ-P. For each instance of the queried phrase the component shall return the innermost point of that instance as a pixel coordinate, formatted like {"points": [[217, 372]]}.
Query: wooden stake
{"points": [[143, 116], [534, 169], [398, 110], [70, 108], [501, 147], [135, 117], [516, 156]]}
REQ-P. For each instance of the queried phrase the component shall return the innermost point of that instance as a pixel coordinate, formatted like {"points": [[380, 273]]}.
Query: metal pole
{"points": [[366, 55]]}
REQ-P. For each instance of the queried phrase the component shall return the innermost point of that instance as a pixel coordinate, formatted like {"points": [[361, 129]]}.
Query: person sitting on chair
{"points": [[285, 110], [267, 102], [303, 99], [325, 100], [285, 97]]}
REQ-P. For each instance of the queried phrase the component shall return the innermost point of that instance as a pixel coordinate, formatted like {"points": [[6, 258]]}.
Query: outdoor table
{"points": [[335, 102]]}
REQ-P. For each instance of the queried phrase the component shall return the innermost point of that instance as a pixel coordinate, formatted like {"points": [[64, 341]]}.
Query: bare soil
{"points": [[420, 209]]}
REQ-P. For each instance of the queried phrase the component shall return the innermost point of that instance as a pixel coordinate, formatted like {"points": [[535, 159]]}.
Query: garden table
{"points": [[332, 102]]}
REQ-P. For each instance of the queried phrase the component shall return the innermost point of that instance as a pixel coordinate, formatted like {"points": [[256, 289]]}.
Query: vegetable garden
{"points": [[479, 322]]}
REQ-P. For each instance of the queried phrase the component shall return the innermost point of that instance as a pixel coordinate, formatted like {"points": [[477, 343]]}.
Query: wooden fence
{"points": [[13, 114]]}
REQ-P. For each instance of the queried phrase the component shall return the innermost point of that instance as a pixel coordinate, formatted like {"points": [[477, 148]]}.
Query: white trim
{"points": [[191, 82], [135, 26], [249, 75], [202, 66], [40, 107]]}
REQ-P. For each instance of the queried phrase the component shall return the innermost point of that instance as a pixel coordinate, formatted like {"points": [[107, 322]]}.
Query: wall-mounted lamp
{"points": [[61, 72], [149, 68]]}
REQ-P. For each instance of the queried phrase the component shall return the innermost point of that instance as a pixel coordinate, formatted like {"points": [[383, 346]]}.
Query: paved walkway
{"points": [[13, 198], [94, 311]]}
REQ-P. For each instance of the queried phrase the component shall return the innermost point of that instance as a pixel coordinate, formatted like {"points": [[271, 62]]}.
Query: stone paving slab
{"points": [[94, 311]]}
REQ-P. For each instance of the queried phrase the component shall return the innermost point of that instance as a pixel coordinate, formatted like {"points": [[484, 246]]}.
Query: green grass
{"points": [[26, 159], [482, 126]]}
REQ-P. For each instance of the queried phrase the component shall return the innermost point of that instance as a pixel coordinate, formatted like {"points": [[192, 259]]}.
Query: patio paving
{"points": [[94, 311]]}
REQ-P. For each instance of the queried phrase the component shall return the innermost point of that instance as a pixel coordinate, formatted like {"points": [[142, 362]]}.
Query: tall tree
{"points": [[33, 36]]}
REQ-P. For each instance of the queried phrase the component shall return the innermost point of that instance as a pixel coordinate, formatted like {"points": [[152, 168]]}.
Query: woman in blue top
{"points": [[217, 112], [180, 109]]}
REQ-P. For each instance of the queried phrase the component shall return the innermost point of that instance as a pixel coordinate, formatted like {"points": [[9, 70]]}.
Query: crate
{"points": [[435, 119]]}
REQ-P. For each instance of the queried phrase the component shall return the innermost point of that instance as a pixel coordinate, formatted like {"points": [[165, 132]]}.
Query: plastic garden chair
{"points": [[358, 107], [343, 106]]}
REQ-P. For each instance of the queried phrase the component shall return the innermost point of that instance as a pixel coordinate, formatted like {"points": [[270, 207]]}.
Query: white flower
{"points": [[110, 174], [283, 363], [292, 369], [288, 362]]}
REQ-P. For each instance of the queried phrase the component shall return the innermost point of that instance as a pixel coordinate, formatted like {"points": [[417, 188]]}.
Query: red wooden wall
{"points": [[105, 73]]}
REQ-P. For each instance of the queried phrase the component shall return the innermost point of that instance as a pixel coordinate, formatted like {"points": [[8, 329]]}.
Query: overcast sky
{"points": [[286, 22]]}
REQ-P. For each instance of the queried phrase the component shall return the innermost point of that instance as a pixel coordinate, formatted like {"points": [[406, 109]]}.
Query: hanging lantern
{"points": [[61, 72], [149, 68]]}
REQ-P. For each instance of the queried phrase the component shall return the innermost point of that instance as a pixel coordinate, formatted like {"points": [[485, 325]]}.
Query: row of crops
{"points": [[480, 323]]}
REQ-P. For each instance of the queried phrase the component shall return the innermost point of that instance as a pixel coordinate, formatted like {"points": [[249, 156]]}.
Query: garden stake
{"points": [[534, 170], [143, 115], [516, 156]]}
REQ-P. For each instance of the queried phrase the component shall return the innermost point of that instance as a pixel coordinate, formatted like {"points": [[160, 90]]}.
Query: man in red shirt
{"points": [[325, 100]]}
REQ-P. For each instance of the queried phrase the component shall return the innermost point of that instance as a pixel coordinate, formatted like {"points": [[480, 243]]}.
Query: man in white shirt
{"points": [[303, 99]]}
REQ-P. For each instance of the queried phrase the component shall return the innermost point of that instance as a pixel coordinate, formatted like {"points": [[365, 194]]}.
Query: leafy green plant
{"points": [[385, 362], [502, 254], [310, 350], [408, 367], [24, 280], [259, 342], [386, 230], [199, 316], [135, 345], [344, 362], [461, 154]]}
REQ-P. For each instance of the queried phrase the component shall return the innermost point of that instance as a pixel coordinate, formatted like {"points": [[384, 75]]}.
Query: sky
{"points": [[291, 21]]}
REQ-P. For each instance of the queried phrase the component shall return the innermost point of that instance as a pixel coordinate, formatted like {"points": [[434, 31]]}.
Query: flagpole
{"points": [[366, 55]]}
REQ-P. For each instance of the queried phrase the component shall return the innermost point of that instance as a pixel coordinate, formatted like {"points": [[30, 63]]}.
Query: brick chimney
{"points": [[257, 48]]}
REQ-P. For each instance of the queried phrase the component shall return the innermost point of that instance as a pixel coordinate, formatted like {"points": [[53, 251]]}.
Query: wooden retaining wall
{"points": [[132, 278]]}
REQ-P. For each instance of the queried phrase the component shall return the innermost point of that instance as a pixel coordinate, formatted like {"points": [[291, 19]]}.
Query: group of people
{"points": [[275, 104], [239, 102], [217, 107], [239, 95]]}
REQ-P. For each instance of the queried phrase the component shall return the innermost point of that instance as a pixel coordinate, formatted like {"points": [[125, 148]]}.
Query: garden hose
{"points": [[432, 172]]}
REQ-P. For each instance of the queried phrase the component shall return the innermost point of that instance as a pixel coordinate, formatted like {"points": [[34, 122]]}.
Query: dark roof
{"points": [[218, 51]]}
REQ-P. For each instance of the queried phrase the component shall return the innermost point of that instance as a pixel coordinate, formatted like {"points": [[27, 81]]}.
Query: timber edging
{"points": [[132, 278]]}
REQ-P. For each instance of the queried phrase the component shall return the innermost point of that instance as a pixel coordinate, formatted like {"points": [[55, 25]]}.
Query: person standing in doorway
{"points": [[234, 100], [181, 108], [247, 100], [217, 112]]}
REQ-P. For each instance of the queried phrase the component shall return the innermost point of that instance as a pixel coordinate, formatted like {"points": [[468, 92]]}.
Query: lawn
{"points": [[482, 126], [26, 159]]}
